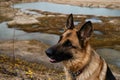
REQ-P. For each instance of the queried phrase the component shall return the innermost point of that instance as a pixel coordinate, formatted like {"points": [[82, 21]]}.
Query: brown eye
{"points": [[67, 44]]}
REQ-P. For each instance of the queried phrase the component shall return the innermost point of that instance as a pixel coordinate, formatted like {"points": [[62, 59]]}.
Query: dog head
{"points": [[71, 42]]}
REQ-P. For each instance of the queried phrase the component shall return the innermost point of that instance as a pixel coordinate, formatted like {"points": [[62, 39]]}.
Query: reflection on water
{"points": [[67, 9], [7, 34]]}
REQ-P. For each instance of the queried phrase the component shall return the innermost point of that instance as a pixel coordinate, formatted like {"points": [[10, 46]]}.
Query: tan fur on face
{"points": [[95, 66], [71, 35], [80, 59]]}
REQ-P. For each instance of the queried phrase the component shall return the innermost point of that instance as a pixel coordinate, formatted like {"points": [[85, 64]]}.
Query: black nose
{"points": [[49, 52]]}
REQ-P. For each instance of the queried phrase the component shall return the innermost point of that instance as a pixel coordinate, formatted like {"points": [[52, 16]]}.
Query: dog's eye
{"points": [[67, 44]]}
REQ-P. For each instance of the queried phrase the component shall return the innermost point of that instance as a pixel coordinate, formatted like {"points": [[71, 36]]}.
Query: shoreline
{"points": [[113, 4]]}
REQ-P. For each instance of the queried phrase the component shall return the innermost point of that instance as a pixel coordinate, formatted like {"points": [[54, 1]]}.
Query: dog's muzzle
{"points": [[49, 52]]}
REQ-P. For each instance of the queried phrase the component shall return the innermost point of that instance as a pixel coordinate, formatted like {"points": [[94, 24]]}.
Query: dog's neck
{"points": [[76, 66], [75, 74], [76, 69], [85, 73], [78, 63]]}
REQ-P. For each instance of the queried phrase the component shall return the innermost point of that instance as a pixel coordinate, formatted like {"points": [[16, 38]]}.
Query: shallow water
{"points": [[7, 34], [98, 32], [67, 9], [94, 20], [76, 22]]}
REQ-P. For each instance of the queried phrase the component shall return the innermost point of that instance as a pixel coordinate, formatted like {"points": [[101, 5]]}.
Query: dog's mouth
{"points": [[59, 58], [53, 60]]}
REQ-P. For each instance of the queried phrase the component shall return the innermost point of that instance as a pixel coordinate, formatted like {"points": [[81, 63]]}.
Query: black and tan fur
{"points": [[80, 60]]}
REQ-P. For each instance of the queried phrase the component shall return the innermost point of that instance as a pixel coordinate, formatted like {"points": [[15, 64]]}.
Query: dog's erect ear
{"points": [[70, 22], [85, 32]]}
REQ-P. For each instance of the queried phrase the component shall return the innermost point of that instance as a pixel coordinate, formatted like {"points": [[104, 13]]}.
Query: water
{"points": [[94, 20], [97, 32], [110, 55], [49, 39], [67, 9], [76, 23], [7, 34]]}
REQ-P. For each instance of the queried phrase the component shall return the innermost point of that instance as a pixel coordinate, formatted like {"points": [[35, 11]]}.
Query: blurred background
{"points": [[29, 27]]}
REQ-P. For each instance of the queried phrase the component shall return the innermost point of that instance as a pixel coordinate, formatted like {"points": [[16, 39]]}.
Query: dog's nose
{"points": [[49, 52]]}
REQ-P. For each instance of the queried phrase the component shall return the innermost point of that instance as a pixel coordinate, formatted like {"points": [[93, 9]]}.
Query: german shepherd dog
{"points": [[80, 61]]}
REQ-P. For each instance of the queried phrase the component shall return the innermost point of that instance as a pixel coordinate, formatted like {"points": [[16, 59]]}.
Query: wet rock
{"points": [[23, 20]]}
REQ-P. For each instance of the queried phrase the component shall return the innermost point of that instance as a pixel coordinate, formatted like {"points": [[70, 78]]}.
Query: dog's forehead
{"points": [[69, 33]]}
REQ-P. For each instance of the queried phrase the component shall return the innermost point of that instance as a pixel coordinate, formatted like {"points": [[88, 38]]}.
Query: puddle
{"points": [[94, 20], [76, 22], [7, 34], [67, 9], [112, 56], [97, 32]]}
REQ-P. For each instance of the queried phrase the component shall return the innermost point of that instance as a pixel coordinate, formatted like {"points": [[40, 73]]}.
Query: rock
{"points": [[115, 21], [7, 13], [23, 20], [102, 5]]}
